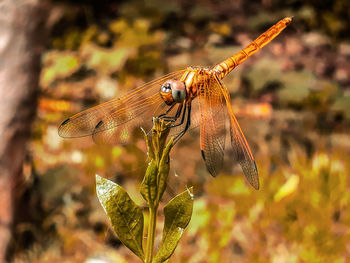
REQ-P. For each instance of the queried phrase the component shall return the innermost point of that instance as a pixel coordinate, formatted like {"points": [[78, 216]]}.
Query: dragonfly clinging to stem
{"points": [[171, 97]]}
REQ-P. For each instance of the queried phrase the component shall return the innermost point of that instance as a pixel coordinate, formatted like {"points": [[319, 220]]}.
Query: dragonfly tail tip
{"points": [[289, 19]]}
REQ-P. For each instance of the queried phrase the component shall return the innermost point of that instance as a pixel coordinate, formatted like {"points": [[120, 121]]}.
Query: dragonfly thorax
{"points": [[195, 79], [173, 91]]}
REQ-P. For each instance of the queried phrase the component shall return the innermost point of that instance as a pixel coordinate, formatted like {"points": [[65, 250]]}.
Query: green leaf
{"points": [[149, 145], [160, 133], [164, 167], [149, 183], [177, 214], [154, 182], [126, 217]]}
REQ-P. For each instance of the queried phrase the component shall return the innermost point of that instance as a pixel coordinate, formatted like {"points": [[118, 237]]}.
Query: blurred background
{"points": [[292, 100]]}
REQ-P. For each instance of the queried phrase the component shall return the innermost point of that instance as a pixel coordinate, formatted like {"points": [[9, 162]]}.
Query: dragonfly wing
{"points": [[122, 134], [242, 152], [110, 115], [130, 118], [212, 125]]}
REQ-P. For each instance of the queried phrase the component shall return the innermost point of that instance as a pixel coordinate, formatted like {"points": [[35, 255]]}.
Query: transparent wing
{"points": [[212, 125], [103, 121], [242, 152]]}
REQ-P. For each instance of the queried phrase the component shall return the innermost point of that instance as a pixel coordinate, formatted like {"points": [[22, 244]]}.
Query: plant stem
{"points": [[151, 233]]}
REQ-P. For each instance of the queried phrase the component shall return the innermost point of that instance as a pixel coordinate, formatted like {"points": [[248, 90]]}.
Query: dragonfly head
{"points": [[173, 91]]}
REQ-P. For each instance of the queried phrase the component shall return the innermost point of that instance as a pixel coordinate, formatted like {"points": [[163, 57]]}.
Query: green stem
{"points": [[151, 233]]}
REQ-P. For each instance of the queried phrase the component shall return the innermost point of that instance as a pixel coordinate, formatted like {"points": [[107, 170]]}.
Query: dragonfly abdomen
{"points": [[225, 67]]}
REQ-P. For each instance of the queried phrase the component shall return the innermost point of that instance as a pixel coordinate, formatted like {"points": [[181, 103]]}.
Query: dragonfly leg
{"points": [[182, 118], [172, 118], [166, 112], [188, 124], [178, 115]]}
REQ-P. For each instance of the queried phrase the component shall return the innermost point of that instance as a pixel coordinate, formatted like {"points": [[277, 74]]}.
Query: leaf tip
{"points": [[98, 179]]}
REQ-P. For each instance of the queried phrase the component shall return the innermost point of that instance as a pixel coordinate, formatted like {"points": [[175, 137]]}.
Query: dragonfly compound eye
{"points": [[166, 87], [173, 91]]}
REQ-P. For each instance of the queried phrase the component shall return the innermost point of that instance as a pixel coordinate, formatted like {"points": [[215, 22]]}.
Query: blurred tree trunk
{"points": [[21, 44]]}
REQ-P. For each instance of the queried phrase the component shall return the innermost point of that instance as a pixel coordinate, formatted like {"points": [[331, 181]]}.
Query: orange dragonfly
{"points": [[171, 97]]}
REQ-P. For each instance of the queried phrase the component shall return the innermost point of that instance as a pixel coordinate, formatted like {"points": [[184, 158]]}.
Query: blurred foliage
{"points": [[133, 49], [100, 50], [301, 212], [332, 17], [329, 17]]}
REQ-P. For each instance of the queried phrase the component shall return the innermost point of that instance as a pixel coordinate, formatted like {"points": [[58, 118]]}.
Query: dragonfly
{"points": [[179, 97]]}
